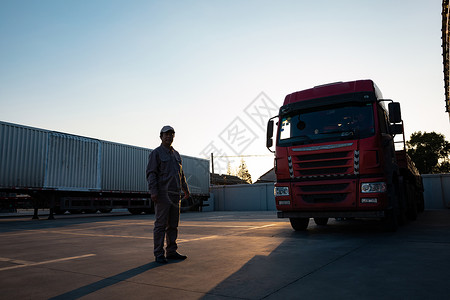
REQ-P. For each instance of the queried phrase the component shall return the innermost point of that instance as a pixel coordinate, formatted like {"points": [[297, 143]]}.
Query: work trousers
{"points": [[167, 216]]}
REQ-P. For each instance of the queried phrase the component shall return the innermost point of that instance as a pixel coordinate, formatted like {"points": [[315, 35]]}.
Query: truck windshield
{"points": [[323, 125]]}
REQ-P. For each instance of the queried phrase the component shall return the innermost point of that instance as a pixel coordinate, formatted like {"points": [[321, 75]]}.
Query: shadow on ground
{"points": [[106, 282], [347, 259]]}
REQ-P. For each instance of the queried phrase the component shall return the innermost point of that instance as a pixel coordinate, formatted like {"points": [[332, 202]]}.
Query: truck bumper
{"points": [[331, 214]]}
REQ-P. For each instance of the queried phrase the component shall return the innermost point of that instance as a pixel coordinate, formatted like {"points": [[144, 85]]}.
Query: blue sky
{"points": [[120, 70]]}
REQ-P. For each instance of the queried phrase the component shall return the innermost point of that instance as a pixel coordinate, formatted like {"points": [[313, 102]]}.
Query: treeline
{"points": [[430, 152]]}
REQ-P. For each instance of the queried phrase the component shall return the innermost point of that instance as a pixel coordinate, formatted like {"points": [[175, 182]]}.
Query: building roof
{"points": [[269, 176], [224, 179]]}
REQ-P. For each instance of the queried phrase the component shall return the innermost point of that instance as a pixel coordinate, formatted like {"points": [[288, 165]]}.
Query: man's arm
{"points": [[152, 175], [184, 186]]}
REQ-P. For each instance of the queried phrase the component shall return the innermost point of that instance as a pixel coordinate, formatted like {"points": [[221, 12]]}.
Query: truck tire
{"points": [[321, 221], [412, 207], [402, 199], [421, 203], [390, 222], [299, 224]]}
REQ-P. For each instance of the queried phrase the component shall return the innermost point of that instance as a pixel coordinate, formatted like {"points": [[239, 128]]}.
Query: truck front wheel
{"points": [[299, 224]]}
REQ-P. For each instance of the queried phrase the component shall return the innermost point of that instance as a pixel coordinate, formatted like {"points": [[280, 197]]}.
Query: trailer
{"points": [[66, 172]]}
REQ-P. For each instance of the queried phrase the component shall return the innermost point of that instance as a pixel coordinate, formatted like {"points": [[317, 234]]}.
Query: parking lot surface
{"points": [[231, 255]]}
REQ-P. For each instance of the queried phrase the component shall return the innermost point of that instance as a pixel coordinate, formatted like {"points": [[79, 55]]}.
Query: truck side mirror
{"points": [[269, 140], [395, 115]]}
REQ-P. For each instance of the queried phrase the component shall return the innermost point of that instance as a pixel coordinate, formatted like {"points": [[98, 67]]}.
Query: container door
{"points": [[73, 163]]}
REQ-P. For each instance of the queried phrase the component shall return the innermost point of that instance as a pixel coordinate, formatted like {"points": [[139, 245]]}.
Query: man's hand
{"points": [[154, 198]]}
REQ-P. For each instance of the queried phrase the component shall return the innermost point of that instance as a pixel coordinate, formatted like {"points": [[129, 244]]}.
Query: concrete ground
{"points": [[232, 255]]}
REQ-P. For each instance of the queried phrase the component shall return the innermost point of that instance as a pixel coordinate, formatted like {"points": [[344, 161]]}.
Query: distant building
{"points": [[269, 176], [224, 179]]}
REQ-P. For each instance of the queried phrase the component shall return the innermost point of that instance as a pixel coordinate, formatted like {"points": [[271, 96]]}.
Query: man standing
{"points": [[166, 179]]}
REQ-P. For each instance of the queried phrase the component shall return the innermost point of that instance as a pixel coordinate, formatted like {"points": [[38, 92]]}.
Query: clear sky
{"points": [[214, 70]]}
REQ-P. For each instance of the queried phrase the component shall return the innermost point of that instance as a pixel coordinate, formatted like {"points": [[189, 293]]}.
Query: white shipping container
{"points": [[123, 167], [72, 163], [32, 158], [23, 152], [196, 170]]}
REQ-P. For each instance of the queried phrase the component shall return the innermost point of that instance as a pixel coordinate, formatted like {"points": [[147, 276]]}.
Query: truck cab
{"points": [[335, 154]]}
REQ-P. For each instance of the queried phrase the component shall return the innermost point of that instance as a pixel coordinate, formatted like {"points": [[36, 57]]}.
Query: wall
{"points": [[244, 197], [260, 197], [436, 191]]}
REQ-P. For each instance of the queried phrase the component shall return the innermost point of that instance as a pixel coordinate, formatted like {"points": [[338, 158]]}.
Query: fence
{"points": [[437, 191], [260, 197], [242, 197]]}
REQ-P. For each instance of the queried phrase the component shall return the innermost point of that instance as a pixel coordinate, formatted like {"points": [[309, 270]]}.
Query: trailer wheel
{"points": [[299, 224], [135, 211], [151, 209], [321, 221], [58, 211]]}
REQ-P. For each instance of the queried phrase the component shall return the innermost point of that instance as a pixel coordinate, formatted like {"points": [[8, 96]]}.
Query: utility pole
{"points": [[212, 168]]}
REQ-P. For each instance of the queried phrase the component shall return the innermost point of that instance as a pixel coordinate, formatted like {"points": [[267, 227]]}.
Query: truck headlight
{"points": [[281, 191], [373, 187]]}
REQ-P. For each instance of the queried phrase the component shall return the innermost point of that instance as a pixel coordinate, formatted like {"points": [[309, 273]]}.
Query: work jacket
{"points": [[165, 172]]}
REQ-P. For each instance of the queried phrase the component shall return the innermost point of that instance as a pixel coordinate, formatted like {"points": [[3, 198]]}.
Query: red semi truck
{"points": [[336, 157]]}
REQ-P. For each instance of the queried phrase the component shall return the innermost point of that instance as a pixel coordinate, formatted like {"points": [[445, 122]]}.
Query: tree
{"points": [[444, 167], [429, 152], [229, 171], [243, 172]]}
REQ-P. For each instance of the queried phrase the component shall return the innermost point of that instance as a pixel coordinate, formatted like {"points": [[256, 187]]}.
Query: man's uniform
{"points": [[166, 178]]}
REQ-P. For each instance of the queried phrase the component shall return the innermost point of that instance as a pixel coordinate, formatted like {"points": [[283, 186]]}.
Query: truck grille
{"points": [[324, 198], [323, 187], [323, 164], [323, 193]]}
